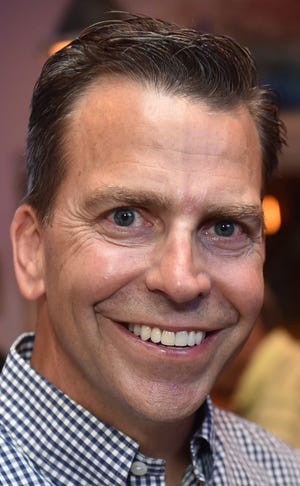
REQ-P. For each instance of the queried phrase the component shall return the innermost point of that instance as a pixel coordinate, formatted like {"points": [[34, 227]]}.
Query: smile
{"points": [[167, 338]]}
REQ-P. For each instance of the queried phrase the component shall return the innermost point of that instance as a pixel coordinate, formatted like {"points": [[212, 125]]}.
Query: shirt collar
{"points": [[202, 443], [64, 440]]}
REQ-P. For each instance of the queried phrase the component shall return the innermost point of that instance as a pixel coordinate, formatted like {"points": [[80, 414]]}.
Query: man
{"points": [[141, 240]]}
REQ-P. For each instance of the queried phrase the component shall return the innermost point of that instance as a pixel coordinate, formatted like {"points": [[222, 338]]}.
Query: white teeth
{"points": [[192, 339], [145, 333], [199, 337], [168, 338], [137, 330], [181, 338], [155, 335]]}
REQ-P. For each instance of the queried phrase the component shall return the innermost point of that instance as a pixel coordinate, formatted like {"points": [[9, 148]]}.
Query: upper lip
{"points": [[173, 326]]}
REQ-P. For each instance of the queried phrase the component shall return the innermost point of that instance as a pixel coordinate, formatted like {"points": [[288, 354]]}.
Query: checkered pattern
{"points": [[47, 439]]}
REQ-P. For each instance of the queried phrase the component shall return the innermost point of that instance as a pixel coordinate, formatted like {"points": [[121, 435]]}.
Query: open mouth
{"points": [[156, 335]]}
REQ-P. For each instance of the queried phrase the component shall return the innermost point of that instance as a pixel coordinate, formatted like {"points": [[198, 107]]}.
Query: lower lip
{"points": [[168, 351]]}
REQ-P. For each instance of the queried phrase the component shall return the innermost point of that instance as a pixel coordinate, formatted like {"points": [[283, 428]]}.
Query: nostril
{"points": [[181, 290], [175, 271]]}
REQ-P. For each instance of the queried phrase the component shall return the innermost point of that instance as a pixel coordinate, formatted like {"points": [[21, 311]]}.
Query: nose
{"points": [[178, 270]]}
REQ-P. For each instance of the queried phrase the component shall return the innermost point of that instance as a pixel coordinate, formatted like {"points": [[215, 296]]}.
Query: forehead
{"points": [[120, 127], [118, 100]]}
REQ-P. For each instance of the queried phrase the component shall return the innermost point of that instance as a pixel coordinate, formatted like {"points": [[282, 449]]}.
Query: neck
{"points": [[166, 441]]}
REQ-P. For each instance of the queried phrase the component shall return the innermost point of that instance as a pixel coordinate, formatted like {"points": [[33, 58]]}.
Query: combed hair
{"points": [[179, 61]]}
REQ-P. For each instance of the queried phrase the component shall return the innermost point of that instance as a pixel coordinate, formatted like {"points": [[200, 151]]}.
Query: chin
{"points": [[170, 404]]}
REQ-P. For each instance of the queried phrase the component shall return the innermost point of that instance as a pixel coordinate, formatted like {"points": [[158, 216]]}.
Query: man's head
{"points": [[180, 62], [146, 255]]}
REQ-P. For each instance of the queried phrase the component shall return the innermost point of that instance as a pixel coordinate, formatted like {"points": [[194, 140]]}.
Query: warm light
{"points": [[272, 214], [57, 46]]}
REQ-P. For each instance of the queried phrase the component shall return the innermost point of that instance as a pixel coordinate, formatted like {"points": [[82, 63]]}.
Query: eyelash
{"points": [[138, 213], [237, 225], [142, 228], [242, 235], [127, 211], [139, 225], [224, 223]]}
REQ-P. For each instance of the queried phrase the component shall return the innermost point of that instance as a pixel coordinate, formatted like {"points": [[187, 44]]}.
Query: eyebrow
{"points": [[122, 196], [236, 211], [119, 195]]}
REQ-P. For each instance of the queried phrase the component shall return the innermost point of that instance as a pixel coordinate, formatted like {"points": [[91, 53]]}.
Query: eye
{"points": [[124, 217], [224, 229], [232, 234], [226, 234], [126, 223]]}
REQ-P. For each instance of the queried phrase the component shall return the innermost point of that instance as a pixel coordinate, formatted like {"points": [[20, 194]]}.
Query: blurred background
{"points": [[29, 30]]}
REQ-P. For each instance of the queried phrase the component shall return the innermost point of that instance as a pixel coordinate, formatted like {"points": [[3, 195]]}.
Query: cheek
{"points": [[100, 270], [243, 286]]}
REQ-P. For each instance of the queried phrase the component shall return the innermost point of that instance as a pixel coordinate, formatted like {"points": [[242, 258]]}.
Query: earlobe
{"points": [[27, 242]]}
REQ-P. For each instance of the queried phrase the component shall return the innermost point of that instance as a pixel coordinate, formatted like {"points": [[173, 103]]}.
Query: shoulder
{"points": [[15, 468], [254, 450]]}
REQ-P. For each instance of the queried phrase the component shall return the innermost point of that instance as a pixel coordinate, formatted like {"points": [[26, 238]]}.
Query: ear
{"points": [[27, 242], [264, 248]]}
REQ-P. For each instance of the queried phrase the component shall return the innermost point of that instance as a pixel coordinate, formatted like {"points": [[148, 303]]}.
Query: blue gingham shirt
{"points": [[47, 439]]}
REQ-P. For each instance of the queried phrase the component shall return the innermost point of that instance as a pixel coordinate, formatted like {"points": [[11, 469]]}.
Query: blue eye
{"points": [[224, 229], [124, 217]]}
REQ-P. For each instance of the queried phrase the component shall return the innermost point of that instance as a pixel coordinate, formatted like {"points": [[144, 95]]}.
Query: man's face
{"points": [[157, 229]]}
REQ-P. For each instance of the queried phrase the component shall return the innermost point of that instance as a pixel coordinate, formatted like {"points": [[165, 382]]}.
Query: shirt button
{"points": [[139, 468]]}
